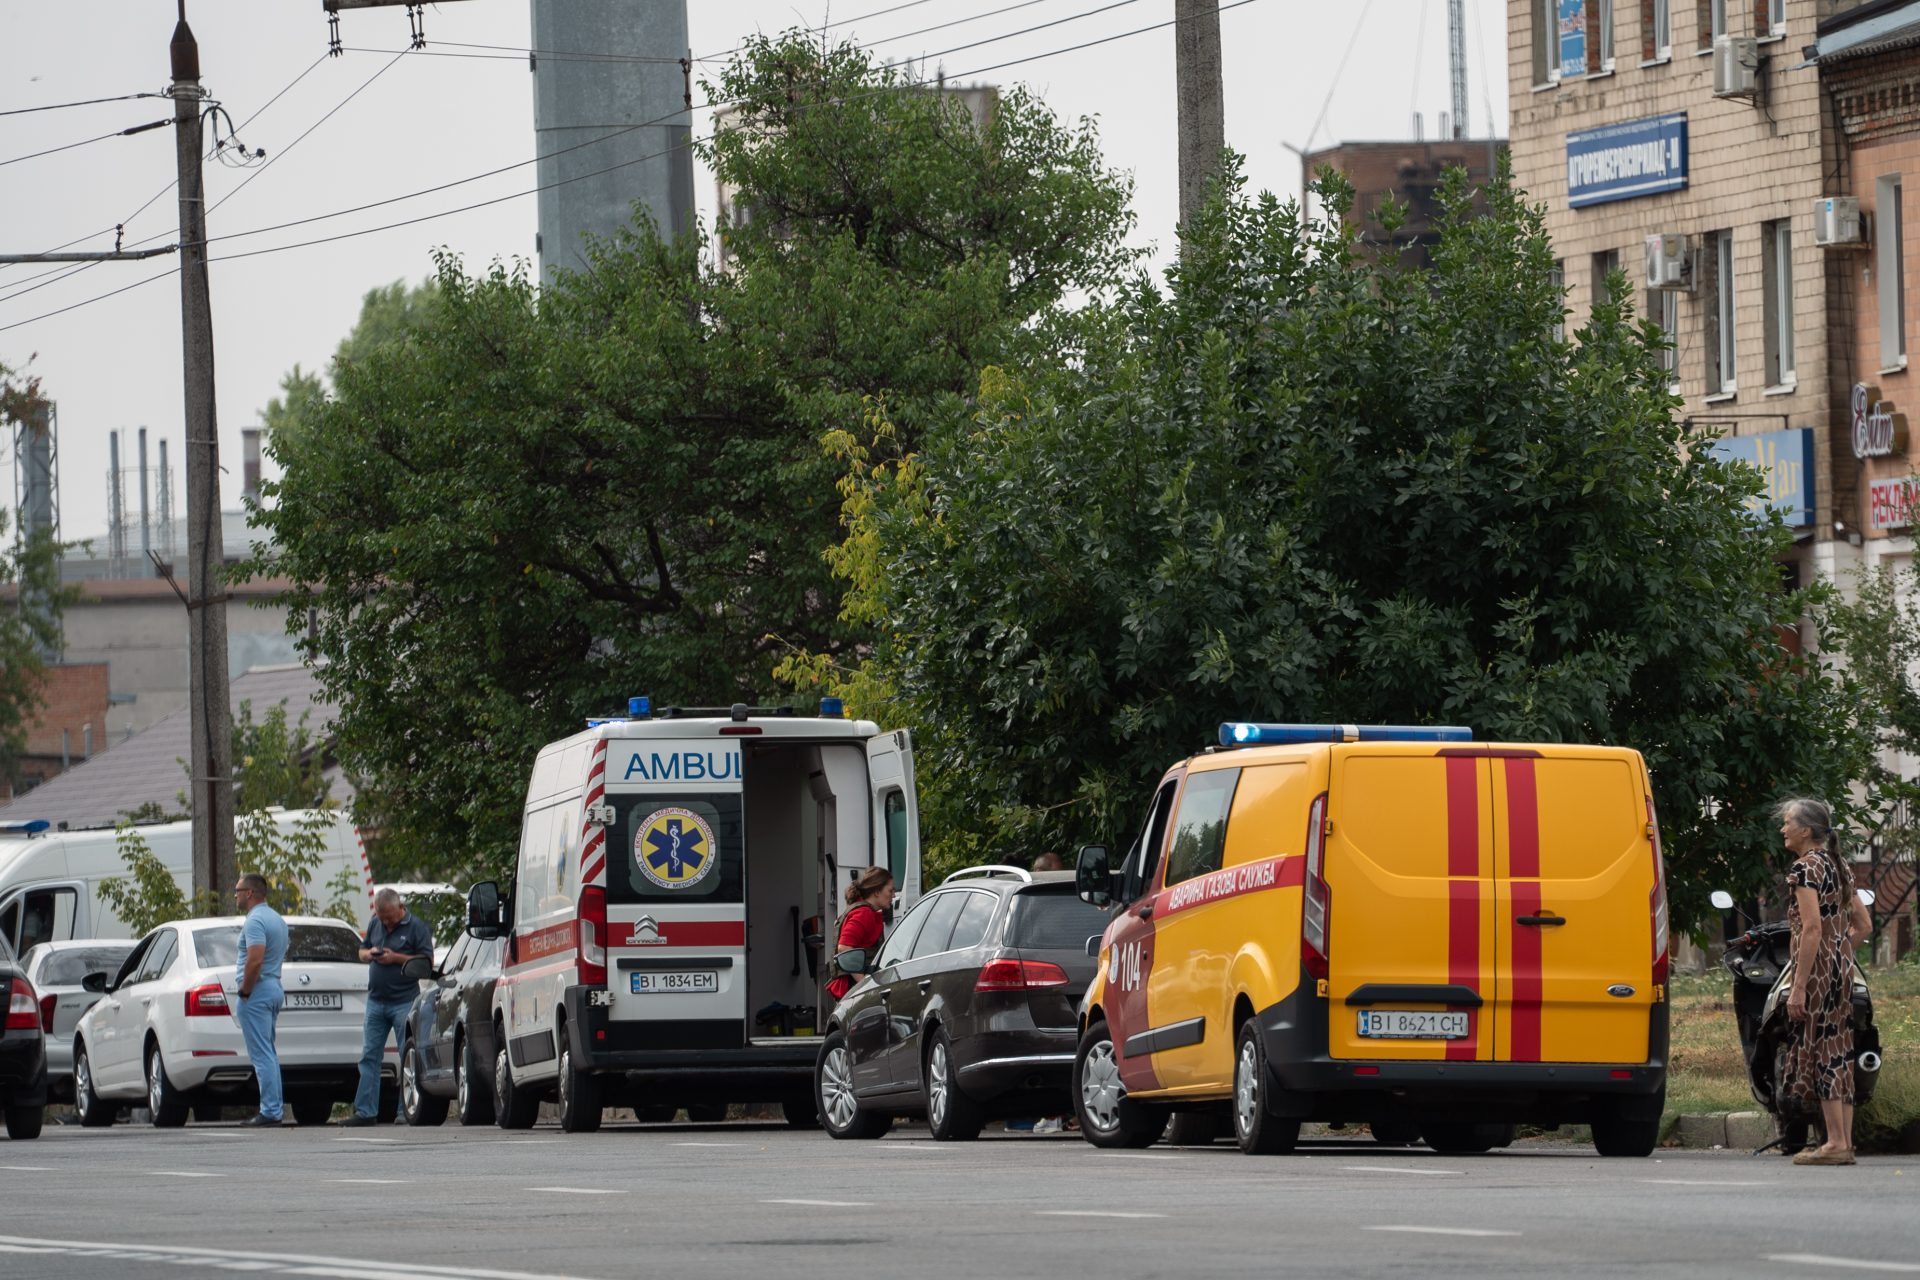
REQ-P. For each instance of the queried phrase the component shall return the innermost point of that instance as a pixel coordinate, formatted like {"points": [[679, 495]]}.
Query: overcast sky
{"points": [[430, 120]]}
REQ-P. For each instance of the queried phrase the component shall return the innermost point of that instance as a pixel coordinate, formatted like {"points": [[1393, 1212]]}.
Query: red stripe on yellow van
{"points": [[1523, 870], [1463, 893]]}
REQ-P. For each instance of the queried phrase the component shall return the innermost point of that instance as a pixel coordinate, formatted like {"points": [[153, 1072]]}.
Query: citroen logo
{"points": [[646, 932]]}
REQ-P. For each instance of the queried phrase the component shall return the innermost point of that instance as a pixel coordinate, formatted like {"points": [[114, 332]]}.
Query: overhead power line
{"points": [[87, 142], [86, 102], [480, 204]]}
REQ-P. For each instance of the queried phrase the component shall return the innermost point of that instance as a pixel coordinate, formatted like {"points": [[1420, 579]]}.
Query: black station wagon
{"points": [[969, 1012]]}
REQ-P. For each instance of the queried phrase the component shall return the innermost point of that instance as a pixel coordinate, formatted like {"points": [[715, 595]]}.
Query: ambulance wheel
{"points": [[951, 1115], [513, 1108], [1258, 1131], [801, 1112], [1453, 1138], [1108, 1117], [707, 1113], [1194, 1128], [579, 1100], [840, 1112]]}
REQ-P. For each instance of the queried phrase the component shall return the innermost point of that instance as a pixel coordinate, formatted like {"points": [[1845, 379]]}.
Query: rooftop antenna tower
{"points": [[1457, 64]]}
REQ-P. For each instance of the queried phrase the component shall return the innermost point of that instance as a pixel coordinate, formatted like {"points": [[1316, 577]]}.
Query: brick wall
{"points": [[75, 698], [1749, 163]]}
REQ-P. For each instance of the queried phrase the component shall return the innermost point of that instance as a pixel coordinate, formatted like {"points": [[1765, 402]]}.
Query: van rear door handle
{"points": [[1540, 920]]}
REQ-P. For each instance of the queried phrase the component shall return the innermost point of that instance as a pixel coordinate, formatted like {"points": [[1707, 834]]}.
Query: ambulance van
{"points": [[679, 881], [1440, 938]]}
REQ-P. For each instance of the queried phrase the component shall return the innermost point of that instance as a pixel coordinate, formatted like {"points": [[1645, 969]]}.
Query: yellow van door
{"points": [[1409, 871], [1575, 867]]}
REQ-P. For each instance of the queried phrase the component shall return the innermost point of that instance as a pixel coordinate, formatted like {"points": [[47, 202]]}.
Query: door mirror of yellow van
{"points": [[483, 911], [1093, 875], [1721, 899]]}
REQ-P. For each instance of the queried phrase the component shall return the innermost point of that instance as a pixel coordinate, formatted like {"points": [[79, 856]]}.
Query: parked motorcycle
{"points": [[1761, 963]]}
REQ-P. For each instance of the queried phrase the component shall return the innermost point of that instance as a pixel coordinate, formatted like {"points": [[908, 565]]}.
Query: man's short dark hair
{"points": [[254, 882]]}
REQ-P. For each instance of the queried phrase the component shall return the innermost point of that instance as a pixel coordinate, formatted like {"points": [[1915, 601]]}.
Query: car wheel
{"points": [[169, 1109], [471, 1091], [25, 1122], [579, 1090], [1454, 1138], [1395, 1133], [707, 1112], [840, 1111], [1108, 1117], [422, 1108], [951, 1114], [1257, 1129], [310, 1111], [95, 1113], [1194, 1128], [512, 1108]]}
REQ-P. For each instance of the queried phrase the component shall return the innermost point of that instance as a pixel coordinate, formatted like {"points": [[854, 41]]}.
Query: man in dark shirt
{"points": [[394, 936]]}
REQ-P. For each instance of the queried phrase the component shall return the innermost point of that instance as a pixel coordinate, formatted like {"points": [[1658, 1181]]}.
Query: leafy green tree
{"points": [[30, 622], [537, 502], [387, 315], [149, 896], [1293, 482]]}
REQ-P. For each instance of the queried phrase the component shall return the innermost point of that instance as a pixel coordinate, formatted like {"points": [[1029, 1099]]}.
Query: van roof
{"points": [[1230, 757], [708, 727]]}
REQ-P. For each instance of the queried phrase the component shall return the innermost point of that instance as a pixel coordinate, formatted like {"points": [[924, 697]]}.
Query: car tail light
{"points": [[593, 936], [1657, 900], [1316, 901], [1019, 975], [47, 1004], [23, 1008], [209, 1001]]}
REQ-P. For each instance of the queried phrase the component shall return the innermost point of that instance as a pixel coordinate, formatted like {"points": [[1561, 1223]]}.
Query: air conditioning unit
{"points": [[1669, 262], [1837, 224], [1736, 67]]}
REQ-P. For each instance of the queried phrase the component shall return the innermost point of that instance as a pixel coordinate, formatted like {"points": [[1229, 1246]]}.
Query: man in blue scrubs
{"points": [[262, 951]]}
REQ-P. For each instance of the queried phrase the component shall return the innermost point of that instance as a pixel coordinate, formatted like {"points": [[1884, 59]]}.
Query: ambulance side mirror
{"points": [[483, 911], [1093, 875]]}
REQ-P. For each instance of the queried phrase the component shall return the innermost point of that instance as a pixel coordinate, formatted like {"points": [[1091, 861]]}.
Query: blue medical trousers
{"points": [[384, 1017], [257, 1014]]}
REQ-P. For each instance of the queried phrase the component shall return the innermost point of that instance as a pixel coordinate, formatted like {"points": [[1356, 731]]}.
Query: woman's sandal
{"points": [[1824, 1157]]}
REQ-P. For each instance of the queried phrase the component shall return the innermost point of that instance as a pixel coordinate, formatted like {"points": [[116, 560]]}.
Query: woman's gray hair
{"points": [[1815, 815]]}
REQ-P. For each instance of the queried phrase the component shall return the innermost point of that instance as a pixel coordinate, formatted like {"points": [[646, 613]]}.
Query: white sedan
{"points": [[163, 1031], [55, 970]]}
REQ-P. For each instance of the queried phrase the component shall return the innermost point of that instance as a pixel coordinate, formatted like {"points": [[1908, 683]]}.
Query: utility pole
{"points": [[1202, 109], [211, 790]]}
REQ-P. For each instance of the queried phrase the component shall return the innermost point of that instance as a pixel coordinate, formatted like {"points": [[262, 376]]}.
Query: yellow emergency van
{"points": [[1399, 926]]}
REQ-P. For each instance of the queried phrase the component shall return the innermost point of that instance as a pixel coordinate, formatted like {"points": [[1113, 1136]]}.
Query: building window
{"points": [[1710, 21], [1599, 35], [1777, 17], [1546, 41], [1890, 271], [1558, 279], [1719, 18], [1717, 266], [1656, 30], [1605, 263], [1663, 308], [1776, 278]]}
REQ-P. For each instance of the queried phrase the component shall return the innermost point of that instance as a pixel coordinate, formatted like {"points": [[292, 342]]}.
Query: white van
{"points": [[50, 880], [680, 880]]}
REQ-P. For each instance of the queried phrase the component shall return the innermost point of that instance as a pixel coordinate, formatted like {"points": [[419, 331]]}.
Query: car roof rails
{"points": [[1241, 733], [989, 870]]}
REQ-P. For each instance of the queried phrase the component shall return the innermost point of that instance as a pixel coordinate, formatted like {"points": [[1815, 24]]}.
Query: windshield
{"points": [[216, 948], [66, 967], [1054, 919]]}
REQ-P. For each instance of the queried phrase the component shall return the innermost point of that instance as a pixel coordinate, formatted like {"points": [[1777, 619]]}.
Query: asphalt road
{"points": [[689, 1202]]}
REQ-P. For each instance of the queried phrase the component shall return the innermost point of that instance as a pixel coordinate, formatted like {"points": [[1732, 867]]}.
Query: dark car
{"points": [[23, 1052], [968, 1013], [447, 1060]]}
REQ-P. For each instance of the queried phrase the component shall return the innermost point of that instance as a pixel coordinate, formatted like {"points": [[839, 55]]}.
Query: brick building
{"points": [[1409, 172], [71, 724]]}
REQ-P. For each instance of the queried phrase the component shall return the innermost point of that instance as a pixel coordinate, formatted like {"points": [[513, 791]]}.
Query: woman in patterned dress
{"points": [[1828, 922]]}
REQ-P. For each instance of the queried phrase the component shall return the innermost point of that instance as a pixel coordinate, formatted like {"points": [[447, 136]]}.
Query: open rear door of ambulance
{"points": [[1577, 908], [896, 813], [1408, 867]]}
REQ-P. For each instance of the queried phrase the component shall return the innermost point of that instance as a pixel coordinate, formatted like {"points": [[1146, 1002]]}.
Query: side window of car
{"points": [[456, 957], [939, 927], [971, 927], [899, 943], [1200, 830], [1143, 860], [135, 958], [160, 956]]}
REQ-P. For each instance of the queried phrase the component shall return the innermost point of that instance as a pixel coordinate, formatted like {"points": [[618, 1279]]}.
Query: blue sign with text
{"points": [[1621, 161], [1785, 461]]}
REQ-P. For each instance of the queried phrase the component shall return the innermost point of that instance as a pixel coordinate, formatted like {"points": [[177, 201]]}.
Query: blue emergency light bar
{"points": [[639, 708], [1240, 733], [832, 708], [31, 827]]}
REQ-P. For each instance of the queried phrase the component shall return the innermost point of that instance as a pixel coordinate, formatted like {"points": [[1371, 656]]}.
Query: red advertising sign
{"points": [[1891, 502]]}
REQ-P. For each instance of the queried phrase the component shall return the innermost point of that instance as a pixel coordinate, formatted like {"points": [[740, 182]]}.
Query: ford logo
{"points": [[1620, 990]]}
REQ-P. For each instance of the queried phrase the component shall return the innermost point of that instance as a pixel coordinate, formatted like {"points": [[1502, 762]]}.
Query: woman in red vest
{"points": [[862, 927]]}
